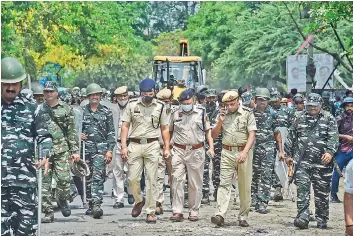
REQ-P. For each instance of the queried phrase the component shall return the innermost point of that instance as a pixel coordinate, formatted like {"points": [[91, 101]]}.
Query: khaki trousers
{"points": [[160, 178], [144, 156], [190, 162], [229, 164]]}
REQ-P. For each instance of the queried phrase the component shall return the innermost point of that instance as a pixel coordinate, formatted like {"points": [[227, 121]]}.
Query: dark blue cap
{"points": [[186, 95], [147, 85]]}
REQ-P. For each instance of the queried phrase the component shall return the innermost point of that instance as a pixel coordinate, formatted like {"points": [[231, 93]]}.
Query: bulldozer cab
{"points": [[178, 72]]}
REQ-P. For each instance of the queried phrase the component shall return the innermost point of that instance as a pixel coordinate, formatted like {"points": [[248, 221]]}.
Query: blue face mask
{"points": [[167, 106], [186, 107]]}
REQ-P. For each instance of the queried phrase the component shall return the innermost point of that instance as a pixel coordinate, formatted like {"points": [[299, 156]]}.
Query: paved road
{"points": [[119, 221]]}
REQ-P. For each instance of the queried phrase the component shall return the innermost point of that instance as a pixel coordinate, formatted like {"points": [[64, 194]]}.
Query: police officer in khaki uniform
{"points": [[165, 96], [238, 127], [190, 126], [148, 118]]}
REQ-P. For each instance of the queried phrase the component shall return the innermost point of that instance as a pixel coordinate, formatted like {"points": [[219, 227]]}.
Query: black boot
{"points": [[90, 208], [301, 224], [97, 211], [65, 209]]}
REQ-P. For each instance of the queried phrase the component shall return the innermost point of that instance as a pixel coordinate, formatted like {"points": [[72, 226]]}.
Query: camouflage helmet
{"points": [[326, 94], [262, 92], [201, 89], [314, 99], [83, 92], [298, 95], [211, 93], [93, 88], [75, 91], [246, 98], [346, 100], [37, 90], [12, 71], [275, 96], [79, 169]]}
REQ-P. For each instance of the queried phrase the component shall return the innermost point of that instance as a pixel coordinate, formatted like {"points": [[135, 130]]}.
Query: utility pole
{"points": [[310, 66], [310, 69]]}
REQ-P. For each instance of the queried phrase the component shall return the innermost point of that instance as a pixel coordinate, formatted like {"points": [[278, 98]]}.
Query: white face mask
{"points": [[186, 107], [122, 102]]}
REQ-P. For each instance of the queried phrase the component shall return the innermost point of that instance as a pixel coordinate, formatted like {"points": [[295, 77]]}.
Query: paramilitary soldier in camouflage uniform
{"points": [[248, 100], [238, 127], [284, 118], [298, 101], [61, 124], [264, 157], [311, 142], [99, 134], [327, 105], [38, 94], [22, 123], [148, 118], [211, 111]]}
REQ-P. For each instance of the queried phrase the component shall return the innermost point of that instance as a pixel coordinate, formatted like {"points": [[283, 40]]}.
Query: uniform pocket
{"points": [[138, 118]]}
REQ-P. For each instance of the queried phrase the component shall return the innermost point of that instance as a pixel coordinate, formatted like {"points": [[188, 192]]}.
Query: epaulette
{"points": [[162, 103], [245, 108], [200, 107], [133, 100]]}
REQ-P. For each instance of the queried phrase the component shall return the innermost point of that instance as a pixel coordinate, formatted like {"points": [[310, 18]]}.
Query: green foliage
{"points": [[245, 43], [113, 43]]}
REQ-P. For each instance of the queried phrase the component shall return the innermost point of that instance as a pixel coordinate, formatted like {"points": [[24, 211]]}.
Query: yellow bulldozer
{"points": [[178, 72]]}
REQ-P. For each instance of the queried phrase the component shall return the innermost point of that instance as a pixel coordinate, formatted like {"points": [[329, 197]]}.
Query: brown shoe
{"points": [[136, 211], [217, 220], [151, 219], [243, 223], [177, 217], [159, 209], [193, 218]]}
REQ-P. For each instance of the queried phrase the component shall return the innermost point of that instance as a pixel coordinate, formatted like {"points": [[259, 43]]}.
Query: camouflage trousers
{"points": [[95, 181], [320, 178], [263, 163], [206, 177], [18, 211], [216, 161], [60, 171]]}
